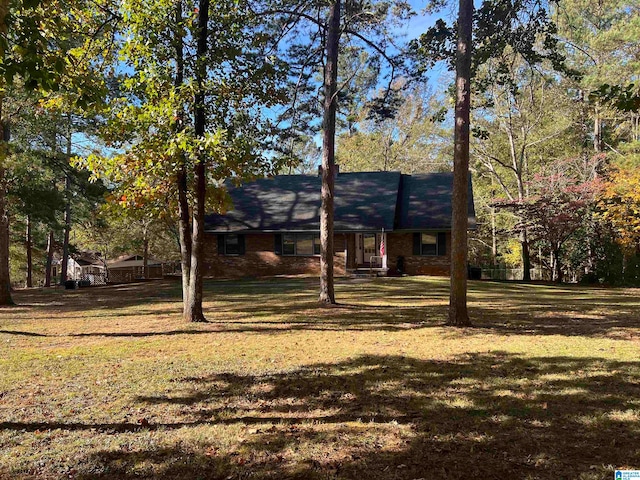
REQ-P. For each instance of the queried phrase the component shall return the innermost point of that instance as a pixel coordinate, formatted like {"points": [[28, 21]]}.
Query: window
{"points": [[304, 244], [288, 244], [428, 244], [231, 244]]}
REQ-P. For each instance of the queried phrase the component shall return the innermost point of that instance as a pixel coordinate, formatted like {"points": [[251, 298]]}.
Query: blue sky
{"points": [[438, 76]]}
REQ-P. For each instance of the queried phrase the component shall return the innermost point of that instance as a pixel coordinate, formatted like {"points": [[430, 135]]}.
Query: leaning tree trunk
{"points": [[28, 247], [184, 223], [327, 294], [47, 270], [194, 305], [458, 315]]}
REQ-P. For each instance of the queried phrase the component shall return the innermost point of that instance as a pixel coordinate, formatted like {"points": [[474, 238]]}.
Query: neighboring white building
{"points": [[84, 267]]}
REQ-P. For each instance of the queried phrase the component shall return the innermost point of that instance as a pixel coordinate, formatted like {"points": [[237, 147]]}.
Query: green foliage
{"points": [[600, 41], [148, 126], [410, 141], [50, 44], [503, 30], [116, 230], [624, 98]]}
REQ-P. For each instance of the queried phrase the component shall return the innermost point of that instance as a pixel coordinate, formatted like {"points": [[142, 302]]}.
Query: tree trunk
{"points": [[494, 239], [5, 280], [67, 228], [184, 224], [557, 267], [145, 256], [327, 294], [597, 130], [194, 305], [28, 244], [458, 315], [47, 270], [67, 211], [526, 256], [524, 241], [184, 229]]}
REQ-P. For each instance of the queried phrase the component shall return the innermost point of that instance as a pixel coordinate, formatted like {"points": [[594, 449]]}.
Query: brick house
{"points": [[273, 228]]}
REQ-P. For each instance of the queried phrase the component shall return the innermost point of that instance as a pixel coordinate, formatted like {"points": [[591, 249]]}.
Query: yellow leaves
{"points": [[513, 256], [620, 203]]}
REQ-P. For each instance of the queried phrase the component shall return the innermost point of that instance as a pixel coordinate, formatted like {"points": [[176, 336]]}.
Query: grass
{"points": [[109, 383]]}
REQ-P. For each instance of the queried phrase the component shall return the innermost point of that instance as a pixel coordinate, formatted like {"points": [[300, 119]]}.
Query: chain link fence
{"points": [[538, 274]]}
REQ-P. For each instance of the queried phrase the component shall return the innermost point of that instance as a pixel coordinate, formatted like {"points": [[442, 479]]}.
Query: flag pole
{"points": [[383, 249]]}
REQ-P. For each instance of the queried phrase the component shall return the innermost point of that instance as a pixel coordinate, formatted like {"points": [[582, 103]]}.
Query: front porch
{"points": [[366, 254]]}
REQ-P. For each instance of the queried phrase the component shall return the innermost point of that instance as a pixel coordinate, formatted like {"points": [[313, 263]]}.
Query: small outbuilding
{"points": [[129, 268]]}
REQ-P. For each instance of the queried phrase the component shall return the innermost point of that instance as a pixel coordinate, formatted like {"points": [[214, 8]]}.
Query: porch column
{"points": [[384, 242], [346, 249]]}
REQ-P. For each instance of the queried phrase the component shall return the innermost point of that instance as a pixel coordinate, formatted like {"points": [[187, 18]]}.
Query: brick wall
{"points": [[401, 244], [260, 260]]}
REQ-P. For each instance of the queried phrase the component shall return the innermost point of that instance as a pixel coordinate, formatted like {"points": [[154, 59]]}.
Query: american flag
{"points": [[382, 247]]}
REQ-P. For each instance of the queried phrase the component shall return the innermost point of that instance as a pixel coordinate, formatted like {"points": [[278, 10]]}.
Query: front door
{"points": [[366, 247]]}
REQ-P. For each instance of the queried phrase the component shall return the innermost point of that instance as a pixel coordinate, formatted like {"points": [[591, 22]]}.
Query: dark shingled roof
{"points": [[425, 202], [364, 201]]}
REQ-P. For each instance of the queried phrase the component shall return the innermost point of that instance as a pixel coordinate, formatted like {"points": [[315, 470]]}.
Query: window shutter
{"points": [[417, 243], [241, 247], [220, 244], [277, 245], [442, 243]]}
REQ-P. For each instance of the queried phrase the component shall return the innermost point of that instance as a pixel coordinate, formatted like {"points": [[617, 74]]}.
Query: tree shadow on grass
{"points": [[480, 416], [281, 305], [386, 305]]}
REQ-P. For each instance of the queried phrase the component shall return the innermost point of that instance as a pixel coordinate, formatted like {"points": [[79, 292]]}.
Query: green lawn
{"points": [[109, 383]]}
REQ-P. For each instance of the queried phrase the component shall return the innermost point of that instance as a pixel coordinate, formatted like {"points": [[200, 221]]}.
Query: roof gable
{"points": [[425, 202]]}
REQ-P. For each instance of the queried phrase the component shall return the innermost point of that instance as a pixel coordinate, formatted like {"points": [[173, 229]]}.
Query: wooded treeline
{"points": [[122, 121]]}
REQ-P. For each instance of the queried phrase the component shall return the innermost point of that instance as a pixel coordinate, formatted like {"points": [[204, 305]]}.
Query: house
{"points": [[86, 267], [274, 226], [128, 268]]}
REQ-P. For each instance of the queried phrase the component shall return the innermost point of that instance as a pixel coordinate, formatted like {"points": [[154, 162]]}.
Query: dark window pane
{"points": [[231, 245], [288, 245], [428, 249], [316, 245]]}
